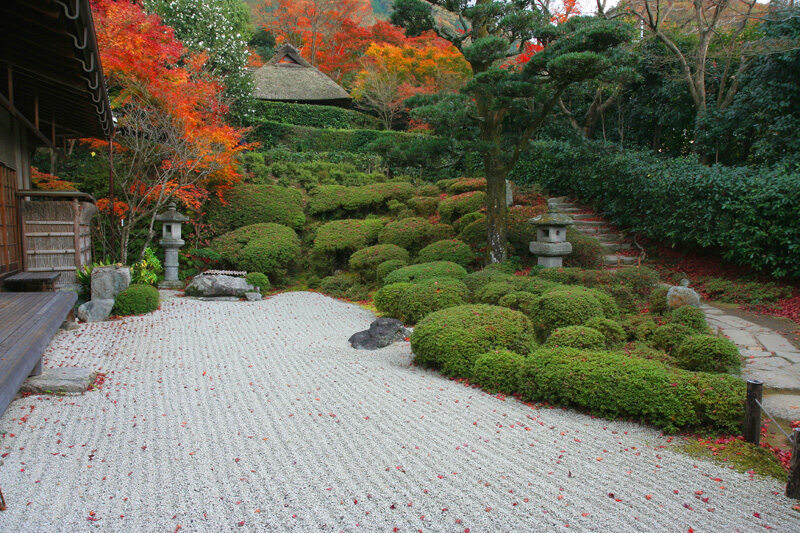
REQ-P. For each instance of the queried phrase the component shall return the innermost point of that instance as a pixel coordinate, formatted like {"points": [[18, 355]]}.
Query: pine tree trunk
{"points": [[496, 211]]}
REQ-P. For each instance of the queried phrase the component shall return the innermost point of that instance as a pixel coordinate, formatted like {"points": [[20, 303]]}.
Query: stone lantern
{"points": [[551, 238], [171, 242]]}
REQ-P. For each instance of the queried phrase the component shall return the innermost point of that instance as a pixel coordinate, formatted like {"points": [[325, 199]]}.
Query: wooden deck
{"points": [[28, 321]]}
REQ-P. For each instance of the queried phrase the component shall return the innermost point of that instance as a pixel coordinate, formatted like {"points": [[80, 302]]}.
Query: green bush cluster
{"points": [[616, 385], [343, 285], [497, 371], [611, 329], [452, 339], [519, 301], [259, 281], [136, 300], [451, 250], [658, 301], [327, 199], [258, 163], [691, 317], [248, 204], [462, 185], [680, 201], [492, 292], [316, 116], [435, 269], [313, 173], [411, 233], [385, 268], [706, 353], [366, 260], [454, 207], [411, 302], [669, 336], [559, 307], [468, 219], [429, 191], [581, 337], [743, 292], [587, 252], [347, 235], [424, 205], [474, 233], [267, 248]]}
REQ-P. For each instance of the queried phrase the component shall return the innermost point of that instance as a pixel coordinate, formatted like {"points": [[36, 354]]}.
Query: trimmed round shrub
{"points": [[136, 300], [388, 266], [567, 276], [455, 206], [411, 233], [706, 353], [519, 301], [645, 330], [267, 248], [616, 385], [692, 317], [658, 301], [462, 185], [611, 330], [333, 198], [347, 235], [641, 280], [259, 281], [366, 260], [643, 351], [451, 250], [468, 219], [338, 284], [436, 269], [587, 252], [558, 308], [669, 336], [476, 280], [424, 205], [491, 293], [610, 309], [496, 371], [387, 298], [429, 190], [248, 204], [452, 339], [576, 337], [442, 232], [532, 284], [445, 183], [474, 233], [429, 295]]}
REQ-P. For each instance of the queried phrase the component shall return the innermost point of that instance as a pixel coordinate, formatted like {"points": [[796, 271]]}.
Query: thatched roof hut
{"points": [[287, 77]]}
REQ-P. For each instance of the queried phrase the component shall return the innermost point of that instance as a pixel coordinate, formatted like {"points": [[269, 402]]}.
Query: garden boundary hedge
{"points": [[749, 214], [315, 116]]}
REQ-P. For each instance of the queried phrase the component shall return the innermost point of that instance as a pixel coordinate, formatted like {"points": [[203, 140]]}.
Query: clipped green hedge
{"points": [[424, 205], [748, 213], [559, 308], [426, 296], [451, 250], [385, 268], [669, 336], [347, 235], [456, 206], [611, 329], [616, 385], [435, 269], [452, 339], [692, 317], [366, 162], [267, 248], [462, 185], [576, 337], [315, 116], [137, 299], [706, 353], [248, 204], [367, 260], [412, 233], [496, 371], [326, 199]]}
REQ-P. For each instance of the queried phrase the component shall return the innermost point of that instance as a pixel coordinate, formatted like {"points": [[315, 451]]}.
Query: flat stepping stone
{"points": [[583, 216], [620, 260], [589, 223], [60, 380], [785, 406]]}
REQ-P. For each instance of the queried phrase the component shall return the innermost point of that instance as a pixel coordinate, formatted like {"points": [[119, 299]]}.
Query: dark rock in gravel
{"points": [[381, 333]]}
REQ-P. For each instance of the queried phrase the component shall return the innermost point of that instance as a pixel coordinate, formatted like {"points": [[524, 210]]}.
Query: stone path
{"points": [[236, 416]]}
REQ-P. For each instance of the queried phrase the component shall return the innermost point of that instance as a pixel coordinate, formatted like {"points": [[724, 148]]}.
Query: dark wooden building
{"points": [[51, 89]]}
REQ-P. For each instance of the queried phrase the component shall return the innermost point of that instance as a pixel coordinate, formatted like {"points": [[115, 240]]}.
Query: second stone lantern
{"points": [[551, 243]]}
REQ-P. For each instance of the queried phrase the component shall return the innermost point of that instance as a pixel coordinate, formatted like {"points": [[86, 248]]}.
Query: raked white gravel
{"points": [[234, 416]]}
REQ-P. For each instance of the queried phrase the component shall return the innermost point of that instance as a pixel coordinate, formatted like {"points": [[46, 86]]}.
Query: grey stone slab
{"points": [[60, 380], [786, 379], [739, 337], [785, 406], [775, 342], [707, 309], [751, 352], [253, 296], [794, 357], [95, 310], [767, 363], [734, 321]]}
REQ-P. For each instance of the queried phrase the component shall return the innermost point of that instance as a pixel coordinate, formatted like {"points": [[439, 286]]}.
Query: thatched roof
{"points": [[287, 77]]}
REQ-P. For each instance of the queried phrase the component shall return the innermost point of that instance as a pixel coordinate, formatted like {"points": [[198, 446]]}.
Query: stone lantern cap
{"points": [[171, 215], [552, 219]]}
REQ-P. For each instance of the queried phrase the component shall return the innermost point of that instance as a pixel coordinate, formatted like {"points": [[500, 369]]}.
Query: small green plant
{"points": [[706, 353], [83, 275], [691, 317], [259, 281], [136, 300], [436, 269], [658, 301], [147, 269]]}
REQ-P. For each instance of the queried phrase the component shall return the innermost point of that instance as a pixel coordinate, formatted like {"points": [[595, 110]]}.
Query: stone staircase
{"points": [[617, 248]]}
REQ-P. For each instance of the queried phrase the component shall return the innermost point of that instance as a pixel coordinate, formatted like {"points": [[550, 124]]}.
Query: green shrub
{"points": [[558, 308], [313, 173], [468, 219], [645, 330], [455, 206], [136, 300], [451, 339], [519, 231], [412, 233], [259, 163], [147, 269], [533, 285], [347, 235], [267, 248], [658, 301], [366, 260], [426, 296], [442, 232], [338, 284], [691, 317], [641, 280], [743, 292], [451, 250], [587, 252], [706, 353], [492, 292], [610, 309], [259, 281], [497, 371], [669, 336], [462, 185], [643, 351], [567, 276], [474, 234], [248, 204], [611, 329], [615, 385], [387, 298], [576, 337], [445, 183], [327, 199], [386, 267], [429, 190], [317, 116], [519, 301], [424, 205], [476, 280], [436, 269]]}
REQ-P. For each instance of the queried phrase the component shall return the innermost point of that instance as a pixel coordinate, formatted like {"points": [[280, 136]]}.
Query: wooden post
{"points": [[752, 412], [793, 486]]}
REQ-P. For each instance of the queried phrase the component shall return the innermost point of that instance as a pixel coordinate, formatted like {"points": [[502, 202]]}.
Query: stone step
{"points": [[589, 223], [560, 205], [569, 210], [610, 237], [558, 199], [583, 216], [596, 232], [611, 247], [619, 260]]}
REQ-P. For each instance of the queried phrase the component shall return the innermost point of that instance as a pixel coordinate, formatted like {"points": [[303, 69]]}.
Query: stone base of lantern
{"points": [[549, 254], [549, 262]]}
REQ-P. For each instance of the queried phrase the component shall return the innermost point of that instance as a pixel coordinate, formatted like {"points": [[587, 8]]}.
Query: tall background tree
{"points": [[503, 105]]}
